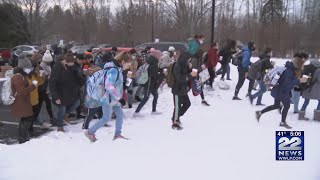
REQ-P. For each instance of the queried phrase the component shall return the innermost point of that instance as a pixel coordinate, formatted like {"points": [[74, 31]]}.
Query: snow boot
{"points": [[205, 103], [258, 115], [302, 115], [285, 125], [316, 115]]}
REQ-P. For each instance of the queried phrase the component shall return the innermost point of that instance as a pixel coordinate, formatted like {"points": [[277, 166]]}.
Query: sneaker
{"points": [[92, 137], [156, 113], [130, 106], [285, 125], [205, 103], [119, 137], [236, 98], [258, 115], [45, 125], [107, 125], [176, 126], [260, 104], [135, 115], [229, 79]]}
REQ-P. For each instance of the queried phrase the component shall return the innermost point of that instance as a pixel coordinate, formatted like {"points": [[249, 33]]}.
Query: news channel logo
{"points": [[290, 145]]}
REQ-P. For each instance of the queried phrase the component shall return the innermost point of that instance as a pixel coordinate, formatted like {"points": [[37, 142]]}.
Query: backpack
{"points": [[95, 84], [254, 72], [238, 59], [196, 86], [170, 76], [7, 95], [142, 74], [273, 76]]}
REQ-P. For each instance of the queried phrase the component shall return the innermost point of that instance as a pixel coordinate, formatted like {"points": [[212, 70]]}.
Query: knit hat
{"points": [[156, 53], [171, 48], [47, 57], [24, 62]]}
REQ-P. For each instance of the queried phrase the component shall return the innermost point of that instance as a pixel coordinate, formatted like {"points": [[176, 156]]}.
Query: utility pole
{"points": [[152, 20], [213, 20]]}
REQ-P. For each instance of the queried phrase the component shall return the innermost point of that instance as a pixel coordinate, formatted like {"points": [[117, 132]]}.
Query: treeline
{"points": [[285, 25]]}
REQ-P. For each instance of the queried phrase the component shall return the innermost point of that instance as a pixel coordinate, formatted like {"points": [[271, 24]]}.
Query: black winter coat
{"points": [[181, 73], [266, 63], [226, 54], [65, 83], [153, 74]]}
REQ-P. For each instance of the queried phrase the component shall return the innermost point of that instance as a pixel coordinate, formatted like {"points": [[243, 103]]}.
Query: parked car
{"points": [[104, 46], [80, 49], [29, 49], [164, 46]]}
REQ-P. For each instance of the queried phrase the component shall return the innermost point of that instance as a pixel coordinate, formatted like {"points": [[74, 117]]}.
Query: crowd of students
{"points": [[102, 85]]}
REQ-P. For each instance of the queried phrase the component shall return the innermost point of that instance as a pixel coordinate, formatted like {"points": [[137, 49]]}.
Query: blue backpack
{"points": [[95, 84]]}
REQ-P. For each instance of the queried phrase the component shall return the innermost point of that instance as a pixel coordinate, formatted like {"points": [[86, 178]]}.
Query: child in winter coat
{"points": [[182, 75], [282, 93], [110, 101], [152, 85], [22, 107]]}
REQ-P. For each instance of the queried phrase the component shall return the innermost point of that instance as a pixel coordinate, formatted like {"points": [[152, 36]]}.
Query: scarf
{"points": [[46, 68]]}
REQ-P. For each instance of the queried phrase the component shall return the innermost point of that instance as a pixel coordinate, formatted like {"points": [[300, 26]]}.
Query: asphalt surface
{"points": [[9, 125]]}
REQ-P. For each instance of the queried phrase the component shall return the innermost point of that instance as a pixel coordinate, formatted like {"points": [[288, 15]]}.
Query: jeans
{"points": [[24, 126], [107, 111], [242, 78], [295, 99], [276, 105], [91, 113], [62, 110], [181, 105], [262, 90], [145, 99], [306, 103]]}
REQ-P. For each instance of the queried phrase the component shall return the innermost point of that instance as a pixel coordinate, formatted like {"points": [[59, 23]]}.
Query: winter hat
{"points": [[156, 53], [18, 52], [24, 62], [47, 57], [171, 48]]}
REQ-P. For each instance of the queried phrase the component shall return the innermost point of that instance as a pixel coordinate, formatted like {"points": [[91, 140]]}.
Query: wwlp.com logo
{"points": [[289, 145]]}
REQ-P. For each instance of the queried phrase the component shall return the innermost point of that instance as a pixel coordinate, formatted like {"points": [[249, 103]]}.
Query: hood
{"points": [[166, 53], [183, 58], [315, 62], [152, 61], [264, 56], [245, 48], [290, 65], [109, 65]]}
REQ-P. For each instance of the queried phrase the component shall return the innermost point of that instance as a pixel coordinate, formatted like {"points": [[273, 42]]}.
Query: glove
{"points": [[122, 102]]}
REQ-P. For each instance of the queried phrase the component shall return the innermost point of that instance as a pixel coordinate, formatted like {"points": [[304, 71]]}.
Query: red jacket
{"points": [[212, 59]]}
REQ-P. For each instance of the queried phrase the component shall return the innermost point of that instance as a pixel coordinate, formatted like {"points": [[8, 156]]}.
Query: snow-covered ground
{"points": [[223, 141]]}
